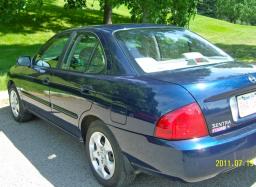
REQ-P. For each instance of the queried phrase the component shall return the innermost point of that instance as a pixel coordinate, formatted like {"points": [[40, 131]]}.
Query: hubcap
{"points": [[14, 101], [101, 155]]}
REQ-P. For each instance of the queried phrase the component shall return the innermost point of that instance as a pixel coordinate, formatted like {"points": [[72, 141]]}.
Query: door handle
{"points": [[46, 81]]}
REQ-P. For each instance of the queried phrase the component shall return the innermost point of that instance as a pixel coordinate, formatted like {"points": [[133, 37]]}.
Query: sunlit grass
{"points": [[219, 31], [3, 80], [238, 40]]}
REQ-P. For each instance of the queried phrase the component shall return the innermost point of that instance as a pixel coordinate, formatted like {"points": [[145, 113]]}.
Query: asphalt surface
{"points": [[38, 154]]}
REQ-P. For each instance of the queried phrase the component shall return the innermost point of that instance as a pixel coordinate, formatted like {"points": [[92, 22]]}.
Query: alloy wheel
{"points": [[14, 102], [102, 155]]}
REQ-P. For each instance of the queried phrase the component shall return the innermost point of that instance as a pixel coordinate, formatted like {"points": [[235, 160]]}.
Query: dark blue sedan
{"points": [[149, 98]]}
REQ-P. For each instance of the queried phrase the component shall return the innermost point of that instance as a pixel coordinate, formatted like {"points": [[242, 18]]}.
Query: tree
{"points": [[10, 10], [229, 9], [182, 11], [144, 11], [237, 10], [72, 4], [177, 12], [105, 5], [207, 8], [248, 15]]}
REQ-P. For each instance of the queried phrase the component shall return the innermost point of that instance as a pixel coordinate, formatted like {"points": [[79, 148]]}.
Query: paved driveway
{"points": [[38, 154]]}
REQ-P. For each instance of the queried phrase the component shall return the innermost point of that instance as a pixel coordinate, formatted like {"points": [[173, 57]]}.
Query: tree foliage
{"points": [[207, 8], [229, 9], [113, 3], [105, 5], [182, 11], [9, 10], [237, 10], [177, 12], [248, 12], [75, 4]]}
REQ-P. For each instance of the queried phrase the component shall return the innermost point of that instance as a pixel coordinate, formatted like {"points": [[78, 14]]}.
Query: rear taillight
{"points": [[184, 123]]}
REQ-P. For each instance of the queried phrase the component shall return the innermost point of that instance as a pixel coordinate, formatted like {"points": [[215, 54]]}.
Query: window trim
{"points": [[65, 58]]}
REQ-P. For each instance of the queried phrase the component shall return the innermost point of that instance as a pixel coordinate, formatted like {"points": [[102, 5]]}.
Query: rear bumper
{"points": [[190, 160]]}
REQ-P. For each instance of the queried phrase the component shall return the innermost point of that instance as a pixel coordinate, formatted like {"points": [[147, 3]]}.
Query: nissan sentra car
{"points": [[142, 98]]}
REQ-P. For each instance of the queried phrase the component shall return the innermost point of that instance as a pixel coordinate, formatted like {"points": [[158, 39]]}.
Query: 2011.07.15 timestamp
{"points": [[235, 163]]}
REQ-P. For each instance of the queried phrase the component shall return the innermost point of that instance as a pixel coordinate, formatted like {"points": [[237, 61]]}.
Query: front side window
{"points": [[86, 55], [157, 49], [51, 55]]}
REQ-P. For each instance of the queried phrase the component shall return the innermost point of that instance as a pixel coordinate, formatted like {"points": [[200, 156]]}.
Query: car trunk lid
{"points": [[217, 89]]}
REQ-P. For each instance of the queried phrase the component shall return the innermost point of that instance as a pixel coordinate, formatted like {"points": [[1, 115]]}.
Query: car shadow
{"points": [[61, 160]]}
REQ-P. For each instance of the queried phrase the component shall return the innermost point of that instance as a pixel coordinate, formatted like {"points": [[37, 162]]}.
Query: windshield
{"points": [[160, 49]]}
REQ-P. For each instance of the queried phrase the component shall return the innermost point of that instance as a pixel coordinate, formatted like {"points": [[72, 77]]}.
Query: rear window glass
{"points": [[157, 50]]}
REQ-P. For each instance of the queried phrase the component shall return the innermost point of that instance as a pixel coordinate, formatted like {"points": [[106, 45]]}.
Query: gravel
{"points": [[38, 154]]}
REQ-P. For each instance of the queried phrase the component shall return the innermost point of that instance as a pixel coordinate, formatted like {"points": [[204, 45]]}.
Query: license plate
{"points": [[246, 104]]}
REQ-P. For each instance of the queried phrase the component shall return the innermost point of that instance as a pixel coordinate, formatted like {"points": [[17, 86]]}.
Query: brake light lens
{"points": [[184, 123]]}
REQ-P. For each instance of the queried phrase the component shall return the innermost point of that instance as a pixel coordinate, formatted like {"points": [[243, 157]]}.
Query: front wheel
{"points": [[19, 113], [106, 160]]}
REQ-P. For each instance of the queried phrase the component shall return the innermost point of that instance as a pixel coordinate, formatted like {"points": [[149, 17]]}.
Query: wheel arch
{"points": [[9, 84], [86, 121]]}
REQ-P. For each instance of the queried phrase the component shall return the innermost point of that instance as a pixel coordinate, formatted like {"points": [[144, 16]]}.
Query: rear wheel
{"points": [[106, 160], [19, 113]]}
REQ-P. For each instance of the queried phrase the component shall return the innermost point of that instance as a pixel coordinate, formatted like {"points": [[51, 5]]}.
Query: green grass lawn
{"points": [[238, 40], [25, 37]]}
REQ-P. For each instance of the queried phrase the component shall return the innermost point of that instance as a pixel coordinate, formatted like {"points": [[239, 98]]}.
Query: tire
{"points": [[19, 113], [123, 173]]}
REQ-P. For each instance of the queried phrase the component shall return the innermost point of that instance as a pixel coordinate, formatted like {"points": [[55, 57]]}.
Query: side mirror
{"points": [[24, 61]]}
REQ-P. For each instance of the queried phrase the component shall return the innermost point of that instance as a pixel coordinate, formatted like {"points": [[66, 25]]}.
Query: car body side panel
{"points": [[29, 82], [60, 123], [68, 102], [145, 102]]}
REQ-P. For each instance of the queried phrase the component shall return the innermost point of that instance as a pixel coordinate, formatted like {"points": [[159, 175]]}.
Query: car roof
{"points": [[115, 27]]}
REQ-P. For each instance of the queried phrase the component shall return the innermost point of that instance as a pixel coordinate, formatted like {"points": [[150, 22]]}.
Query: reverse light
{"points": [[184, 123]]}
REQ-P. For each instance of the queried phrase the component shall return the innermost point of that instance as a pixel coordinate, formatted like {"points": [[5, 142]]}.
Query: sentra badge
{"points": [[221, 126]]}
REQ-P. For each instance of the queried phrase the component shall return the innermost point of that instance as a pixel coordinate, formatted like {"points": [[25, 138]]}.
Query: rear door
{"points": [[73, 84]]}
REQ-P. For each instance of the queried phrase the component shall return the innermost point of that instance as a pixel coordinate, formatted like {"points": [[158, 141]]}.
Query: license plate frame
{"points": [[246, 104]]}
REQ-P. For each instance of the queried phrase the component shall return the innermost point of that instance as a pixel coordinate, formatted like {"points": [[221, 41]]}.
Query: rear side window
{"points": [[86, 55], [97, 64]]}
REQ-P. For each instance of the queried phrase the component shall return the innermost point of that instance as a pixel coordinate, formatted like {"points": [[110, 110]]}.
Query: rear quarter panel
{"points": [[139, 101]]}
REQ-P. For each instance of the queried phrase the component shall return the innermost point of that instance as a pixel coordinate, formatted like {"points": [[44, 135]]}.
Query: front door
{"points": [[36, 89]]}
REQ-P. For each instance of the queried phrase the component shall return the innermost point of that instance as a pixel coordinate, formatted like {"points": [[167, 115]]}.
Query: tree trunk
{"points": [[107, 12], [146, 15]]}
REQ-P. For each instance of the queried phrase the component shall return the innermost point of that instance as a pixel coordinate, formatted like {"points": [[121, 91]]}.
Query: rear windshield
{"points": [[158, 49]]}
